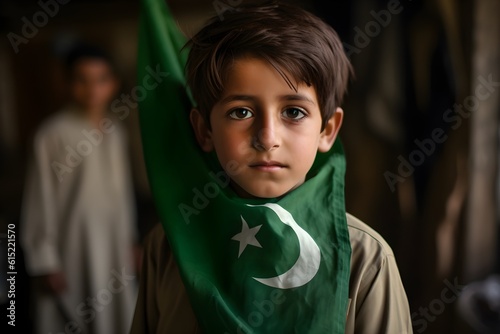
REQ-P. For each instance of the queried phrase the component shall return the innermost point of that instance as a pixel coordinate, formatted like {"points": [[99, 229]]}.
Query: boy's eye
{"points": [[294, 113], [240, 113]]}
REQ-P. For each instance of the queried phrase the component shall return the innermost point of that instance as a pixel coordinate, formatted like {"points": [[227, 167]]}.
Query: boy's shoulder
{"points": [[54, 121], [156, 246], [68, 125], [372, 260], [364, 237], [370, 252], [60, 123], [377, 299]]}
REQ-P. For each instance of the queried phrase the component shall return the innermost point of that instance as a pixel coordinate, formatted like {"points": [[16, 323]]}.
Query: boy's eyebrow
{"points": [[297, 97], [231, 98], [288, 97]]}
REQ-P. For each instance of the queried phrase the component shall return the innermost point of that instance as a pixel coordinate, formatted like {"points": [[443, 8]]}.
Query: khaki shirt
{"points": [[377, 299]]}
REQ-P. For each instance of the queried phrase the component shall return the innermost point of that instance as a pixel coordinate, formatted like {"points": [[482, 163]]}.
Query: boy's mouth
{"points": [[267, 166]]}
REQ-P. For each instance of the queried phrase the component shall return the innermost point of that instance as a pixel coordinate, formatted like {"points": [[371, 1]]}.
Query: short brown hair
{"points": [[291, 39]]}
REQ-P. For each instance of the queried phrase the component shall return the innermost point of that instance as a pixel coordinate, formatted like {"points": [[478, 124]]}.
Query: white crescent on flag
{"points": [[306, 266]]}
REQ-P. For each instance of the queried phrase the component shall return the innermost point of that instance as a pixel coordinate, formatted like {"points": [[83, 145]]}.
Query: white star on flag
{"points": [[247, 236]]}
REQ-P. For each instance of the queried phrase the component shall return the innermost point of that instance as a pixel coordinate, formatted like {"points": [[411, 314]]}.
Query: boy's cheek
{"points": [[233, 146], [238, 153]]}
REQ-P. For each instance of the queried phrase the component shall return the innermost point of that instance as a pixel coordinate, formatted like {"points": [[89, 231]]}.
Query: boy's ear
{"points": [[201, 130], [329, 133]]}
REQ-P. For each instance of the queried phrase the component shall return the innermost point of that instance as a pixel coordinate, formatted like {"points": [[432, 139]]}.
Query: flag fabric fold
{"points": [[248, 266]]}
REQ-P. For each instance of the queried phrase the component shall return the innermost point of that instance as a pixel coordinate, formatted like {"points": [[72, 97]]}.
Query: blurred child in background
{"points": [[78, 220]]}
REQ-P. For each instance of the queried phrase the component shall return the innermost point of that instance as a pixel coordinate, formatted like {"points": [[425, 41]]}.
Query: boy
{"points": [[263, 244], [78, 226]]}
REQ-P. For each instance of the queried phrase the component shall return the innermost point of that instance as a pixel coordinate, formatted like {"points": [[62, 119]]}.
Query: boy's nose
{"points": [[267, 138]]}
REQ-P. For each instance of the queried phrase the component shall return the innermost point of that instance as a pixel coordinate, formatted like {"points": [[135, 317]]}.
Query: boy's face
{"points": [[93, 84], [265, 134]]}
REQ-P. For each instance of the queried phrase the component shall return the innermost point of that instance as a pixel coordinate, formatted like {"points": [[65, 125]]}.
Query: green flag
{"points": [[249, 266]]}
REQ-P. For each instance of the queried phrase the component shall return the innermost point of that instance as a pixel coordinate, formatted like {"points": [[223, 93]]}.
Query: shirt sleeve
{"points": [[146, 314], [382, 305], [162, 305], [377, 298], [39, 222]]}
